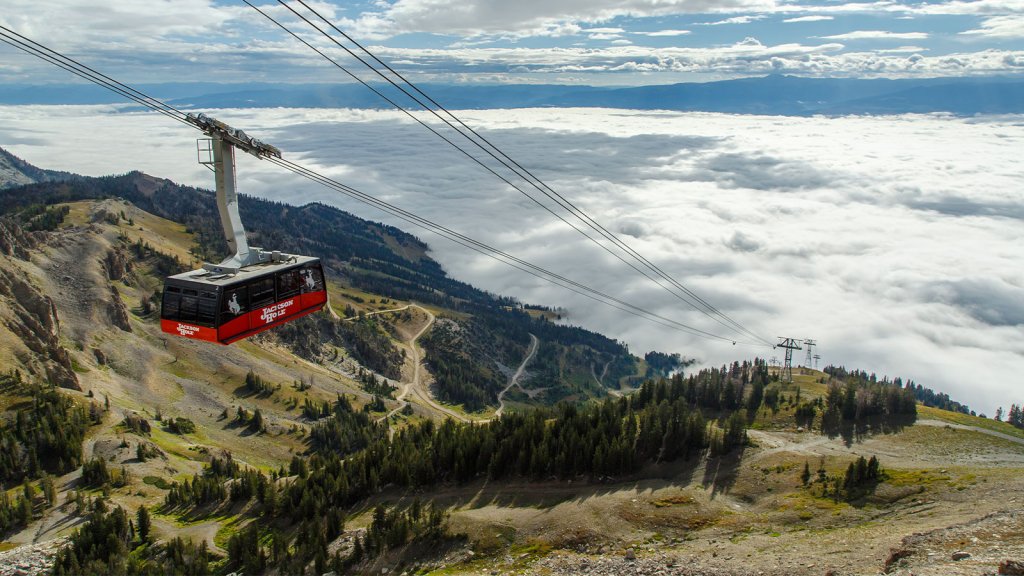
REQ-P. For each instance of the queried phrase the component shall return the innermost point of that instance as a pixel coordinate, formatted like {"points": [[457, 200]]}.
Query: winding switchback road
{"points": [[514, 380]]}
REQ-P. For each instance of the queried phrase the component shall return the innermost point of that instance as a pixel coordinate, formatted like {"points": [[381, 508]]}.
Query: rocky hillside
{"points": [[16, 172]]}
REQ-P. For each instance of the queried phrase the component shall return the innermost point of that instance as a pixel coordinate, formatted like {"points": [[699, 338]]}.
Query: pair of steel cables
{"points": [[38, 50]]}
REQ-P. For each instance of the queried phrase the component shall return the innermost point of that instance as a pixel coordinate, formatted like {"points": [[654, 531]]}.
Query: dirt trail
{"points": [[514, 380], [971, 428], [779, 444], [604, 372], [418, 387], [375, 312], [416, 360], [200, 531]]}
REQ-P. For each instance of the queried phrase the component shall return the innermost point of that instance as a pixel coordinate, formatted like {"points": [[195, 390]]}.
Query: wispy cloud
{"points": [[746, 19], [877, 35], [1000, 27], [813, 18], [664, 33], [902, 50]]}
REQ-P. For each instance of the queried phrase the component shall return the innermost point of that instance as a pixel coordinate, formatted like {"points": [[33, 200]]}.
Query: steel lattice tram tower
{"points": [[810, 343], [789, 344]]}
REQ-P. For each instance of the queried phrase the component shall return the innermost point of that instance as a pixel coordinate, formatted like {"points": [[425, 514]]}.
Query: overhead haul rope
{"points": [[681, 292], [38, 50]]}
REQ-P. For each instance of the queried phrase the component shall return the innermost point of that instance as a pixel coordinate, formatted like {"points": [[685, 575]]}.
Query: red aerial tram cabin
{"points": [[226, 308], [254, 289]]}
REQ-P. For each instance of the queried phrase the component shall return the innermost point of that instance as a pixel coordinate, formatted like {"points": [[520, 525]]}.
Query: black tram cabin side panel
{"points": [[228, 308]]}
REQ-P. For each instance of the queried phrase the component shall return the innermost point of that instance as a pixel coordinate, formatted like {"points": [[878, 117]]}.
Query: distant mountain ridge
{"points": [[772, 95], [16, 172]]}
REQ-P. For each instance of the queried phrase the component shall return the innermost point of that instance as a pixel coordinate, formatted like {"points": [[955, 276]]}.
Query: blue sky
{"points": [[599, 42]]}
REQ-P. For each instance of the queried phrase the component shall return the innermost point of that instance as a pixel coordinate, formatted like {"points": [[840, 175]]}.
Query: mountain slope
{"points": [[16, 172], [379, 260]]}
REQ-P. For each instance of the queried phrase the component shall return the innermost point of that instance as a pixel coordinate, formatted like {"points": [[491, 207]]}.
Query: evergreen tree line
{"points": [[17, 513], [1015, 417], [163, 264], [376, 386], [927, 396], [257, 385], [725, 389], [347, 431], [40, 217], [595, 441], [863, 401], [110, 543], [395, 527], [45, 436]]}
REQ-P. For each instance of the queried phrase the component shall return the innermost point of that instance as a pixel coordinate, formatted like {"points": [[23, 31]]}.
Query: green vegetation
{"points": [[458, 377], [38, 217], [46, 433], [255, 384], [860, 480], [109, 544], [376, 386], [968, 420], [365, 339], [863, 403], [347, 431], [180, 425], [353, 459]]}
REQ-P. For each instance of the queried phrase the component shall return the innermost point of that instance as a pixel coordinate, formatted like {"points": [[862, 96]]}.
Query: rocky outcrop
{"points": [[14, 241], [32, 317], [116, 264], [117, 312], [30, 559]]}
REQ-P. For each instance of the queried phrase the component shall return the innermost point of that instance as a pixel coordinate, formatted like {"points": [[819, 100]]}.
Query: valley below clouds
{"points": [[895, 242]]}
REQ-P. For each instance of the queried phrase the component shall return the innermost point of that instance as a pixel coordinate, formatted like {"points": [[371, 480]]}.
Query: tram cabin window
{"points": [[206, 311], [261, 292], [289, 283], [190, 305]]}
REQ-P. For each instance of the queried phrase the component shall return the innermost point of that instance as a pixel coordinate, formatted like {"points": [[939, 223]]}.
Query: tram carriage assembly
{"points": [[254, 289]]}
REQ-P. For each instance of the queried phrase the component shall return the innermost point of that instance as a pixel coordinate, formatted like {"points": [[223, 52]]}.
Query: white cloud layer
{"points": [[893, 241], [747, 57]]}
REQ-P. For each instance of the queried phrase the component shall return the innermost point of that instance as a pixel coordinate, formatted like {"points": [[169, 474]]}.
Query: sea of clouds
{"points": [[895, 242]]}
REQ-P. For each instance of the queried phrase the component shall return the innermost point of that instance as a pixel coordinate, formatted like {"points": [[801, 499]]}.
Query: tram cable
{"points": [[684, 294], [451, 143], [71, 65]]}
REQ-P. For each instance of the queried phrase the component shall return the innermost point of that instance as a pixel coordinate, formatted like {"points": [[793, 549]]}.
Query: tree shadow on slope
{"points": [[721, 472], [854, 431]]}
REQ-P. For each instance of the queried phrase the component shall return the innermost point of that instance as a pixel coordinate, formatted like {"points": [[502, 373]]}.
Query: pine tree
{"points": [[143, 524], [805, 476]]}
